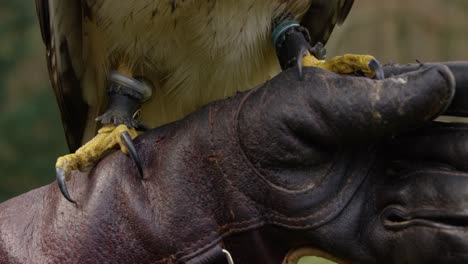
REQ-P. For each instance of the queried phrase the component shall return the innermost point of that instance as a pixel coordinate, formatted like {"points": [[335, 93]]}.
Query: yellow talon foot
{"points": [[90, 153], [347, 64]]}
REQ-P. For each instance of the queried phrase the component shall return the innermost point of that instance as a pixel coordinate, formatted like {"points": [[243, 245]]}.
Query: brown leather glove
{"points": [[291, 164]]}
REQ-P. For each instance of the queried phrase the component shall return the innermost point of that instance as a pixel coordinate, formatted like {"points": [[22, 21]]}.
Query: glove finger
{"points": [[302, 122], [441, 143], [359, 109], [459, 105]]}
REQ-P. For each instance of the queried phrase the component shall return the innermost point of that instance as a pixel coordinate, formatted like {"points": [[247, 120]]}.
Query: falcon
{"points": [[119, 67]]}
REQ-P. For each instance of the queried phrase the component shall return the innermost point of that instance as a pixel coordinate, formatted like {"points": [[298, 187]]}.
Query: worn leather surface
{"points": [[341, 164]]}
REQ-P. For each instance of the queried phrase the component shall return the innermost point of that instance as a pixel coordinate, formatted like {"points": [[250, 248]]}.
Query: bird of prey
{"points": [[129, 63]]}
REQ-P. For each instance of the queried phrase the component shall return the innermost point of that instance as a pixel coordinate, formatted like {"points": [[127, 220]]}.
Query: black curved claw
{"points": [[377, 67], [61, 180], [299, 57], [292, 45], [127, 140]]}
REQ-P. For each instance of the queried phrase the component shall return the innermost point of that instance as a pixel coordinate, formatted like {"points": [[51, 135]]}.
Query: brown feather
{"points": [[63, 76], [42, 8], [322, 17]]}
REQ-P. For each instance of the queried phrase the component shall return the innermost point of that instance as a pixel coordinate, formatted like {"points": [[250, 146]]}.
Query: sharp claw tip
{"points": [[127, 140], [299, 67], [377, 67], [61, 180], [300, 57], [299, 72], [140, 171]]}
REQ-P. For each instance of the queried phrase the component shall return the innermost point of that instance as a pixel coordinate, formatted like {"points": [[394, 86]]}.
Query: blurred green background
{"points": [[30, 130], [31, 135]]}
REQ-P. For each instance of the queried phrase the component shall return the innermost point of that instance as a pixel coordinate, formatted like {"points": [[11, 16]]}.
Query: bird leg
{"points": [[120, 126], [291, 41]]}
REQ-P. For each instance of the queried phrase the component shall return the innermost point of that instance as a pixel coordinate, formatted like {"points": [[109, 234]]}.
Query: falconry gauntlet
{"points": [[345, 167]]}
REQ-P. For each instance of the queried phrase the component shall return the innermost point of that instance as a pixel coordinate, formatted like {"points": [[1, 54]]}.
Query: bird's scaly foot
{"points": [[347, 64], [89, 154], [291, 41], [126, 94]]}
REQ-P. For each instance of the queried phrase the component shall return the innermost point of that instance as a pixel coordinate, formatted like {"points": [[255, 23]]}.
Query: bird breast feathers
{"points": [[195, 51]]}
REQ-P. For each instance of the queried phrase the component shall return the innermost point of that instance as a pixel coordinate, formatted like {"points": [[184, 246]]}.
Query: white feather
{"points": [[198, 52]]}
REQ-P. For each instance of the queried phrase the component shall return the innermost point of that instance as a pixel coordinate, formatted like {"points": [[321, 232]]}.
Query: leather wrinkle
{"points": [[249, 162], [232, 226], [274, 213]]}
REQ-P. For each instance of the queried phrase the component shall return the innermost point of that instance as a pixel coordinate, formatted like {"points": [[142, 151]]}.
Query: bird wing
{"points": [[61, 29], [322, 17]]}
